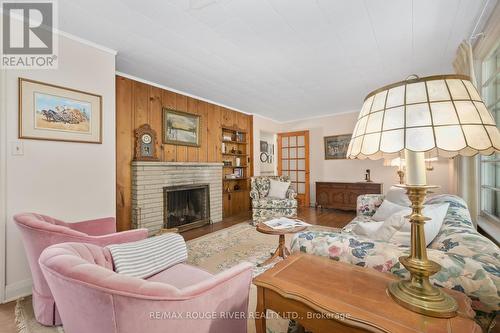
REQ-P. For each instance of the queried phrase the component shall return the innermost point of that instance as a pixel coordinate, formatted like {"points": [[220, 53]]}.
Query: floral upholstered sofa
{"points": [[264, 207], [470, 262]]}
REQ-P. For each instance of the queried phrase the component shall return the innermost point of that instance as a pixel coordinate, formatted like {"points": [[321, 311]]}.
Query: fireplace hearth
{"points": [[186, 206]]}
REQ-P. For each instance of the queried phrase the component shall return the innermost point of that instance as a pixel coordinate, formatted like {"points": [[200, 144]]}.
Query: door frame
{"points": [[305, 133], [3, 183]]}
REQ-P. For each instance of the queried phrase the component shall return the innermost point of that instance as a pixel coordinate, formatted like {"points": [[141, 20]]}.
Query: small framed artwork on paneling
{"points": [[181, 128], [336, 146], [50, 112]]}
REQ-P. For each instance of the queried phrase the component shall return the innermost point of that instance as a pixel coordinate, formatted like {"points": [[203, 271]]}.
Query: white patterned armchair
{"points": [[264, 207]]}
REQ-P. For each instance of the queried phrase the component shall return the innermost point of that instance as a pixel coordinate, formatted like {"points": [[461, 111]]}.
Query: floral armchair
{"points": [[470, 262], [264, 207]]}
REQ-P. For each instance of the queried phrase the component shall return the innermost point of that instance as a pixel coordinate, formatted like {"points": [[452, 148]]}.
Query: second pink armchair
{"points": [[40, 231], [180, 299]]}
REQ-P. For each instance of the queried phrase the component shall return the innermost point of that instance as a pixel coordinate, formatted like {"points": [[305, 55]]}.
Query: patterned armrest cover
{"points": [[367, 204], [254, 194], [290, 193]]}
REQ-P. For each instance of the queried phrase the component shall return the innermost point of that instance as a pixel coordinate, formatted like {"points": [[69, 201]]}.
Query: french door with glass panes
{"points": [[293, 161]]}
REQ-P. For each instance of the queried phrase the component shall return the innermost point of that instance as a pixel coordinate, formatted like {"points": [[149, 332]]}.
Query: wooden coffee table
{"points": [[329, 296], [281, 251]]}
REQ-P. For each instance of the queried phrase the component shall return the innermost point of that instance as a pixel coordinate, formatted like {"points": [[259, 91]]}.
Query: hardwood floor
{"points": [[7, 319], [325, 217]]}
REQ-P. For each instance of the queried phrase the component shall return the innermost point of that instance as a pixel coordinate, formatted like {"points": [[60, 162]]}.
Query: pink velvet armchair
{"points": [[93, 298], [40, 231]]}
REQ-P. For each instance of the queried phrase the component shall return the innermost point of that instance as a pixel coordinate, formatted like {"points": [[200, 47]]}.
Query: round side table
{"points": [[281, 251]]}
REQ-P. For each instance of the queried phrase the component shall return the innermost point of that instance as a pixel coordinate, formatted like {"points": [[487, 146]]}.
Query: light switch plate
{"points": [[17, 148]]}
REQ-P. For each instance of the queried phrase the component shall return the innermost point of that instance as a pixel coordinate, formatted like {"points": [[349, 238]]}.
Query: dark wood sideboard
{"points": [[343, 195]]}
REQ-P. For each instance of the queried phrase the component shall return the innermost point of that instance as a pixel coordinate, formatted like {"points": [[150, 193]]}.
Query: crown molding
{"points": [[161, 86], [86, 42], [267, 118], [320, 116], [154, 84]]}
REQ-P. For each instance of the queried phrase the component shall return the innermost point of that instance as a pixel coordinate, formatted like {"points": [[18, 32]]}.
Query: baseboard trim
{"points": [[18, 289]]}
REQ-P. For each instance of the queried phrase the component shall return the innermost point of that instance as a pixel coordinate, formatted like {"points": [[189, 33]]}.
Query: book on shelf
{"points": [[238, 172], [232, 176]]}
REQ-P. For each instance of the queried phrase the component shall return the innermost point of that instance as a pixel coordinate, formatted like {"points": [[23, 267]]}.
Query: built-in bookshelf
{"points": [[234, 156], [236, 171]]}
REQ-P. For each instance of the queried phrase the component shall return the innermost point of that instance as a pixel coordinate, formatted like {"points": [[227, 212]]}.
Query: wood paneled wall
{"points": [[138, 103]]}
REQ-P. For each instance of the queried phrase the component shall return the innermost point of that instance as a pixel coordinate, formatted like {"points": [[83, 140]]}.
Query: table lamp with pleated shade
{"points": [[423, 117]]}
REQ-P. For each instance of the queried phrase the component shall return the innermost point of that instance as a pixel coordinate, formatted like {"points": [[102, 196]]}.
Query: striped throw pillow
{"points": [[144, 258]]}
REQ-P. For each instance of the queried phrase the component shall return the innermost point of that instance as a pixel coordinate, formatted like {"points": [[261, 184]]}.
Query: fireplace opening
{"points": [[186, 206]]}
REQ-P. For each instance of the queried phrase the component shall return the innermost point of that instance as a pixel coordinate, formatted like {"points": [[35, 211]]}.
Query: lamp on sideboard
{"points": [[400, 163], [437, 116]]}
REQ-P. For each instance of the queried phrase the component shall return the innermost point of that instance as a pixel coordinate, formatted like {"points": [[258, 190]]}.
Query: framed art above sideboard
{"points": [[336, 146]]}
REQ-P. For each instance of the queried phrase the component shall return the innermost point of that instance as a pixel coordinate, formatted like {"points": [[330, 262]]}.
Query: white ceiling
{"points": [[284, 59]]}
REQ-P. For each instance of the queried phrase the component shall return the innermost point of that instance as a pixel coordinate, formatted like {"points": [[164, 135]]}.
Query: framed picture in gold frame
{"points": [[181, 128], [336, 146], [51, 112]]}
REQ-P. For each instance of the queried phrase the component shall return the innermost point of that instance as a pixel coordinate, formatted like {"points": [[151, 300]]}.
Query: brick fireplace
{"points": [[184, 183]]}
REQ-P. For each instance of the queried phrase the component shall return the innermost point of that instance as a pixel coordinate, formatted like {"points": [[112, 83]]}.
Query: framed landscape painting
{"points": [[50, 112], [336, 146], [181, 128]]}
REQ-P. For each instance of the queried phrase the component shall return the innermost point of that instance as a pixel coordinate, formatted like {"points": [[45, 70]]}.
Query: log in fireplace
{"points": [[186, 206]]}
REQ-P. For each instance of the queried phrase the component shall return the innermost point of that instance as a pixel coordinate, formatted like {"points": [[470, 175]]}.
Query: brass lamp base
{"points": [[418, 294], [433, 303]]}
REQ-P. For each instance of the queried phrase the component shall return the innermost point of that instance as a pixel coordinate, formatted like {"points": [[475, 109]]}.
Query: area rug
{"points": [[213, 252], [25, 319]]}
